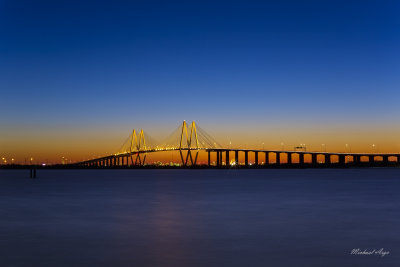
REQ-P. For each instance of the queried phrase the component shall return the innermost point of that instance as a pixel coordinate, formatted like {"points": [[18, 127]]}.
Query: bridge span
{"points": [[135, 150], [261, 158]]}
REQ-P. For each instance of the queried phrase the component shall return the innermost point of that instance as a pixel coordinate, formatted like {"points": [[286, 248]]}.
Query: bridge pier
{"points": [[385, 159], [371, 159], [356, 159], [327, 159], [220, 157], [301, 158], [278, 158], [246, 158], [236, 157], [314, 159], [266, 158], [289, 158], [256, 158], [209, 157], [227, 158], [342, 159], [218, 162]]}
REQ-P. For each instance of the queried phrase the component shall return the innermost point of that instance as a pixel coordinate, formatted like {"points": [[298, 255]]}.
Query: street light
{"points": [[346, 150], [283, 146], [263, 145], [323, 147]]}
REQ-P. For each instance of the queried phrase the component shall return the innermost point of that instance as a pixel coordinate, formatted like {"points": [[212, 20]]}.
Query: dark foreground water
{"points": [[311, 217]]}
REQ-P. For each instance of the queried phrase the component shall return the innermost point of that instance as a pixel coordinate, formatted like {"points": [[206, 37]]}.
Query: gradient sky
{"points": [[77, 76]]}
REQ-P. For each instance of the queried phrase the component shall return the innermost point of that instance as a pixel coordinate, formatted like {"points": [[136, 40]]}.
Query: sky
{"points": [[77, 76]]}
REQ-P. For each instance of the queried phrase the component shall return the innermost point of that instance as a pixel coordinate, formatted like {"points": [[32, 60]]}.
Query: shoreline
{"points": [[152, 166]]}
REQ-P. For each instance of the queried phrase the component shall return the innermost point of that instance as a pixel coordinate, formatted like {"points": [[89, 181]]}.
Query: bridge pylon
{"points": [[137, 144], [192, 144]]}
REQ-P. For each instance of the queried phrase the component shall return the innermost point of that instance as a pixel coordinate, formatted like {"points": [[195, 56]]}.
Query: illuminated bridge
{"points": [[189, 142]]}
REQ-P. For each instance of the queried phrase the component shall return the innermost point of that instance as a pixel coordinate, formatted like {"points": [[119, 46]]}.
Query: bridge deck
{"points": [[246, 151]]}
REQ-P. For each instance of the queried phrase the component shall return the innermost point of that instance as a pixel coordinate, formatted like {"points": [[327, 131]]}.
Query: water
{"points": [[310, 217]]}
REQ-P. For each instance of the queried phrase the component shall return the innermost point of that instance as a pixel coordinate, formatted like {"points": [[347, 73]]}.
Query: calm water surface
{"points": [[311, 217]]}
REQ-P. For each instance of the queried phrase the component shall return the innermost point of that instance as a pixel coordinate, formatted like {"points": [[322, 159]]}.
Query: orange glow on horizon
{"points": [[55, 146]]}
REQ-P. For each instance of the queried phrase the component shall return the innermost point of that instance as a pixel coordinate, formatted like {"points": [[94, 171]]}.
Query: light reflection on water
{"points": [[199, 217]]}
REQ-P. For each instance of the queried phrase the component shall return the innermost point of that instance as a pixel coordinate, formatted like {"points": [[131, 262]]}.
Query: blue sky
{"points": [[82, 64]]}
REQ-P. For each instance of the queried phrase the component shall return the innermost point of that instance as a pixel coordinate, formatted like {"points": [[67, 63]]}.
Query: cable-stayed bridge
{"points": [[189, 140]]}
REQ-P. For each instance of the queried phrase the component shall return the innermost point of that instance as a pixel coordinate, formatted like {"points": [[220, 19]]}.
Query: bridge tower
{"points": [[137, 144], [192, 144]]}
